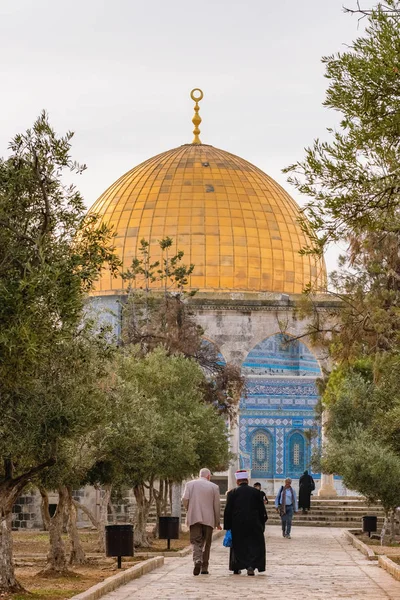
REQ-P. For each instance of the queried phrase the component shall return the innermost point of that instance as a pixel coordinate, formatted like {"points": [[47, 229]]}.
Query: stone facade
{"points": [[277, 430]]}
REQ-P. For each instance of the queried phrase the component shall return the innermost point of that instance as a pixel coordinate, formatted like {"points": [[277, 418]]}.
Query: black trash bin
{"points": [[119, 541], [369, 524], [168, 529]]}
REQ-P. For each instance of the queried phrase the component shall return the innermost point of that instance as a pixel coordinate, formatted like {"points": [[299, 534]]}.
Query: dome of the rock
{"points": [[232, 221], [241, 231]]}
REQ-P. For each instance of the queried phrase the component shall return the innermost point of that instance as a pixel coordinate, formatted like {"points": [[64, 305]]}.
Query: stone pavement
{"points": [[316, 564]]}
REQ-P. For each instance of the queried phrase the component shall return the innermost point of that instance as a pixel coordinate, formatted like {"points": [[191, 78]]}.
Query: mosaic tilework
{"points": [[281, 429], [233, 222], [280, 393], [280, 400], [279, 450], [281, 355], [288, 387]]}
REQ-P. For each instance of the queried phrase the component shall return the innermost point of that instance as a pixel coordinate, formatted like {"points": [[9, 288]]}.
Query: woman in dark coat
{"points": [[245, 516], [306, 486]]}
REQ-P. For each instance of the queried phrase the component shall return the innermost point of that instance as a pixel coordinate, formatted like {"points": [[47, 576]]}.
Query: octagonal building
{"points": [[240, 229]]}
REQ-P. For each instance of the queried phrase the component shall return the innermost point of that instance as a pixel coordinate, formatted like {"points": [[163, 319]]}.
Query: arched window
{"points": [[297, 454], [261, 454]]}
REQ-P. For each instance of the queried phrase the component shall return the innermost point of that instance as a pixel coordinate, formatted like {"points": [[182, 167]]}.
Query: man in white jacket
{"points": [[202, 502]]}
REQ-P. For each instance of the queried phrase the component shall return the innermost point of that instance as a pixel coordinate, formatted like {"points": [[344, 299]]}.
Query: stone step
{"points": [[349, 509], [338, 516], [329, 512], [315, 515], [331, 502], [345, 512], [353, 514], [328, 507], [339, 524], [311, 519]]}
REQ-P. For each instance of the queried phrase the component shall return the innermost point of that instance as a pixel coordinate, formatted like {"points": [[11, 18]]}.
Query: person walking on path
{"points": [[245, 516], [263, 494], [286, 505], [306, 486], [202, 502]]}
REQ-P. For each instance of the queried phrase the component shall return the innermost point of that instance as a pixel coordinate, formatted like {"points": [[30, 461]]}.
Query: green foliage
{"points": [[62, 400], [171, 272], [366, 466], [390, 7], [354, 185], [363, 427], [154, 317], [52, 361], [159, 426], [354, 180], [193, 431]]}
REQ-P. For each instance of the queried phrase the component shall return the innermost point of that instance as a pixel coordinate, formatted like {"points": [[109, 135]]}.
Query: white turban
{"points": [[241, 475]]}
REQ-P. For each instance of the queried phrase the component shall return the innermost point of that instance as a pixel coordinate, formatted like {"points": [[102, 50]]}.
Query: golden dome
{"points": [[233, 222]]}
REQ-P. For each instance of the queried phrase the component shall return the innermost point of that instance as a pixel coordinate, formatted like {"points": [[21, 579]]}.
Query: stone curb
{"points": [[389, 566], [112, 583], [370, 554]]}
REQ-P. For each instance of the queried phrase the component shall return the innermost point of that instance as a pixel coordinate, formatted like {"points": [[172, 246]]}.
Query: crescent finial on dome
{"points": [[196, 118]]}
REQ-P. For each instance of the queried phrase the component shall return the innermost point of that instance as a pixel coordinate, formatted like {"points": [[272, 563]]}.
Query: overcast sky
{"points": [[119, 73]]}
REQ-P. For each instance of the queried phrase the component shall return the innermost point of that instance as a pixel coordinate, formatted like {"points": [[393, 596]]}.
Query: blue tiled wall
{"points": [[280, 401]]}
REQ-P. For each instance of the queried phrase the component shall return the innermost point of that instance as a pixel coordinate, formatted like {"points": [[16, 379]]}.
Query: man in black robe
{"points": [[306, 486], [245, 516]]}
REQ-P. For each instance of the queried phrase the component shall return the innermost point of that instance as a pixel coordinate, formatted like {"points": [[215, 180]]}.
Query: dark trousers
{"points": [[200, 538], [287, 520]]}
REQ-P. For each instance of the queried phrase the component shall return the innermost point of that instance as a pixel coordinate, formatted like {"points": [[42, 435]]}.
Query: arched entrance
{"points": [[277, 427]]}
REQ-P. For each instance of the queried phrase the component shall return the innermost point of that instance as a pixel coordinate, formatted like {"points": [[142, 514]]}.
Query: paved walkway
{"points": [[316, 564]]}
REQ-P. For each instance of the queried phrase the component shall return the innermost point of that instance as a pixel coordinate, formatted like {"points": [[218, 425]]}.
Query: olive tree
{"points": [[159, 430], [52, 360]]}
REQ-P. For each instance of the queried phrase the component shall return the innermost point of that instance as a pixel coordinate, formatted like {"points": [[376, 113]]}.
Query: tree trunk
{"points": [[142, 513], [8, 583], [56, 558], [9, 492], [392, 525], [87, 512], [384, 527], [161, 501], [176, 506], [101, 522], [10, 489], [44, 508], [167, 494], [77, 556], [103, 519], [112, 511]]}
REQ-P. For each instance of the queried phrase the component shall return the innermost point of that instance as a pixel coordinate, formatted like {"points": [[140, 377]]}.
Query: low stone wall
{"points": [[114, 582], [26, 512], [370, 554], [384, 561], [27, 509], [390, 566]]}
